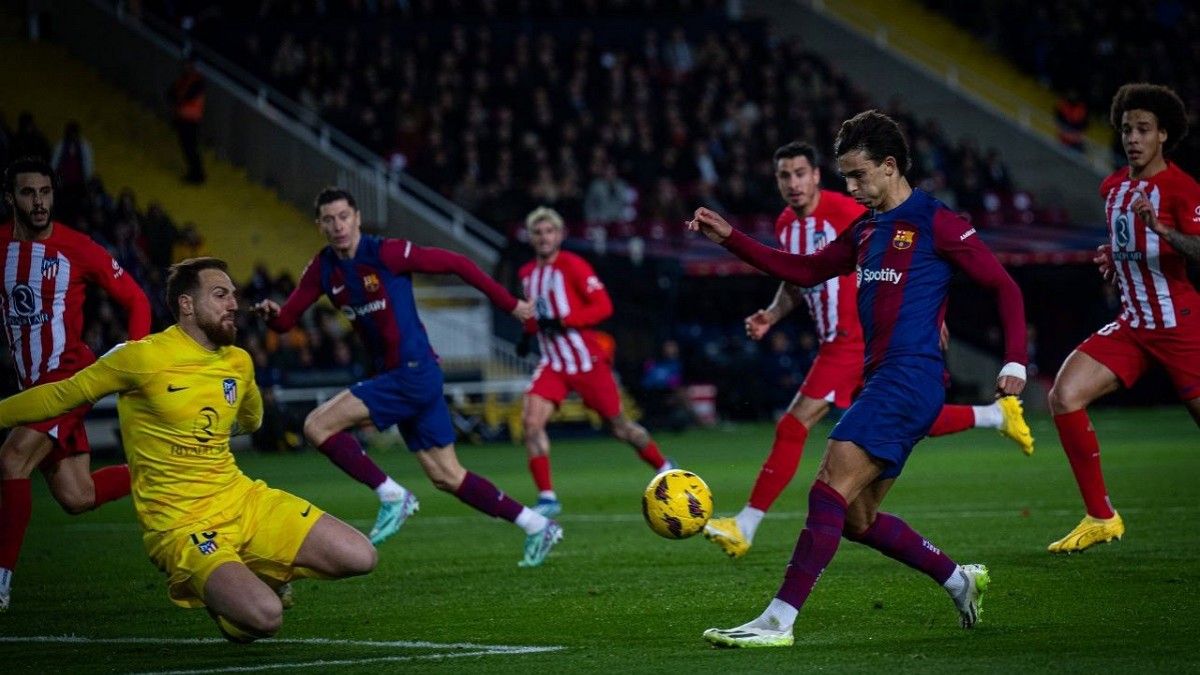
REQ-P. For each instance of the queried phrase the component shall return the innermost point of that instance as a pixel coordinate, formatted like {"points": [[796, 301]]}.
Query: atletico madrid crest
{"points": [[903, 239], [230, 386]]}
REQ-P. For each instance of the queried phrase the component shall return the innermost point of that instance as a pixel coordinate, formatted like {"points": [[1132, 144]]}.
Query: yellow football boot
{"points": [[724, 532], [1089, 532], [1014, 425]]}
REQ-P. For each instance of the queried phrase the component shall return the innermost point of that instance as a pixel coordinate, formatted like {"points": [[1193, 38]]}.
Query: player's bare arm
{"points": [[1187, 245], [786, 299]]}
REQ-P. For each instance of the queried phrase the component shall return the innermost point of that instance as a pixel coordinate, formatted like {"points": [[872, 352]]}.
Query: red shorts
{"points": [[836, 374], [68, 434], [597, 387], [1128, 352]]}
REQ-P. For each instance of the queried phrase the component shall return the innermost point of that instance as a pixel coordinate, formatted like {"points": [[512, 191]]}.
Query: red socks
{"points": [[652, 456], [112, 482], [953, 419], [1083, 452], [781, 464], [539, 466], [16, 503]]}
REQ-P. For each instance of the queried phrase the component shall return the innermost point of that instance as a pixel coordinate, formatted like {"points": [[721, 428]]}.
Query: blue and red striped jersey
{"points": [[903, 260], [374, 290]]}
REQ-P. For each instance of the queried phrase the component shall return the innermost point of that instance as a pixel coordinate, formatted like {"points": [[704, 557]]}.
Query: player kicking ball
{"points": [[812, 218], [906, 248]]}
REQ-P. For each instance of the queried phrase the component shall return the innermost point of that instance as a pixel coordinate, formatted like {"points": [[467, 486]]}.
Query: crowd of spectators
{"points": [[606, 116], [1092, 48]]}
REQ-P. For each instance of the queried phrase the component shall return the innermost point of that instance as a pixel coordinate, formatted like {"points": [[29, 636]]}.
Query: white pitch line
{"points": [[342, 662], [474, 650], [403, 644]]}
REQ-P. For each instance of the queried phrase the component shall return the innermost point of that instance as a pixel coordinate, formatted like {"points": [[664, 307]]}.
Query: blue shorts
{"points": [[411, 398], [895, 409]]}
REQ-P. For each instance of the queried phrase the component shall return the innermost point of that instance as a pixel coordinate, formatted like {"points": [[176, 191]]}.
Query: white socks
{"points": [[956, 585], [549, 495], [748, 521], [778, 616], [988, 416], [531, 521], [390, 491]]}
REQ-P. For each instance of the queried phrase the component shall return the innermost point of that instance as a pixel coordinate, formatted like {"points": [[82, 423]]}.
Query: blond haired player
{"points": [[225, 542], [569, 300]]}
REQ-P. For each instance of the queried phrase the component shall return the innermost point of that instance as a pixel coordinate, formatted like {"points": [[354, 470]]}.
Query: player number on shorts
{"points": [[205, 541]]}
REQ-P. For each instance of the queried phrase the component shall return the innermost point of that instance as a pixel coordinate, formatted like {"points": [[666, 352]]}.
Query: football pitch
{"points": [[613, 597]]}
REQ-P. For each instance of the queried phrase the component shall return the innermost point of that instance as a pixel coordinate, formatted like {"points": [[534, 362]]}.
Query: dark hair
{"points": [[877, 135], [796, 149], [27, 165], [184, 277], [1155, 98], [330, 195]]}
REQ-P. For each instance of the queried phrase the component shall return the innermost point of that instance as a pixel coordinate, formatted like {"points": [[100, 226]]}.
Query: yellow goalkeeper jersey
{"points": [[179, 404]]}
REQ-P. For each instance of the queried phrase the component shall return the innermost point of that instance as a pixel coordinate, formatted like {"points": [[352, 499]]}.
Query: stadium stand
{"points": [[1094, 48], [134, 146], [616, 126], [624, 120]]}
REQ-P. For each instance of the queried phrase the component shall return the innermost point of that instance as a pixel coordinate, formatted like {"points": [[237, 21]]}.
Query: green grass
{"points": [[617, 598]]}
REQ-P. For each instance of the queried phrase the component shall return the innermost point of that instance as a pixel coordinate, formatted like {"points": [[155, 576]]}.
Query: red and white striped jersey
{"points": [[832, 304], [567, 289], [1151, 274], [44, 288]]}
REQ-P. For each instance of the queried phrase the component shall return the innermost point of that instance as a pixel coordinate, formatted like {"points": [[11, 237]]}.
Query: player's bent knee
{"points": [[267, 621], [238, 633], [268, 614], [14, 464], [1064, 398], [360, 558], [315, 432], [255, 621], [350, 556], [534, 424]]}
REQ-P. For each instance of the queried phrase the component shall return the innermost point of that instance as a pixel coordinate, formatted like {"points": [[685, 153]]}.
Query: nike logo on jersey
{"points": [[172, 388], [337, 289], [304, 513]]}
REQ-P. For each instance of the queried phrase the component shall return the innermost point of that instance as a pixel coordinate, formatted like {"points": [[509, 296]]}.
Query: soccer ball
{"points": [[677, 504]]}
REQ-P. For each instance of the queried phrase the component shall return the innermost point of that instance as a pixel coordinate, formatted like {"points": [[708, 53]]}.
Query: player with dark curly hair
{"points": [[1153, 213]]}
